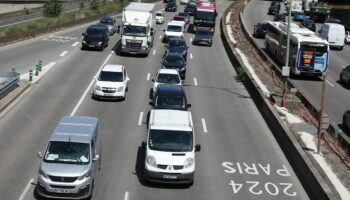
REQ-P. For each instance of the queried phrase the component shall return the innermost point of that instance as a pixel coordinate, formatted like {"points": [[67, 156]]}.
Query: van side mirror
{"points": [[150, 103], [118, 29], [83, 34], [163, 30], [151, 33], [143, 144], [197, 147], [39, 154], [153, 80], [189, 105], [97, 157]]}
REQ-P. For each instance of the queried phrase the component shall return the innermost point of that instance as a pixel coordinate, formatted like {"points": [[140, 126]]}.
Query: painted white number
{"points": [[288, 185], [267, 188], [235, 186], [255, 183]]}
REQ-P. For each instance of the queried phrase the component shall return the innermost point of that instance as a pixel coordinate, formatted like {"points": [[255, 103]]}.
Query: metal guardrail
{"points": [[8, 82]]}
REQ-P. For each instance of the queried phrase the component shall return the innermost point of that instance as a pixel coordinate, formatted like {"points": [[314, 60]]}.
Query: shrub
{"points": [[95, 4], [52, 8]]}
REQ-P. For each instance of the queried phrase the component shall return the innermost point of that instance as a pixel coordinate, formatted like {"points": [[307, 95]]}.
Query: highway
{"points": [[240, 158], [337, 96]]}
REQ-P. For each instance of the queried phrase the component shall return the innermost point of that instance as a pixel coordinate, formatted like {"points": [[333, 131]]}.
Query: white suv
{"points": [[170, 147], [174, 29], [112, 82], [166, 76], [159, 17]]}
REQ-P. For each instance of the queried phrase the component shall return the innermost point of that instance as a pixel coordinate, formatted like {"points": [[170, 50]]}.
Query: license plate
{"points": [[169, 177], [91, 45], [108, 94], [61, 191]]}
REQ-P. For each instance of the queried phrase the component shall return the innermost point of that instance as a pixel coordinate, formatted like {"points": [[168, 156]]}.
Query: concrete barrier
{"points": [[308, 175]]}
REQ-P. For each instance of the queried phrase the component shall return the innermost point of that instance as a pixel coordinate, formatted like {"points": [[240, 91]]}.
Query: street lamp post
{"points": [[286, 68]]}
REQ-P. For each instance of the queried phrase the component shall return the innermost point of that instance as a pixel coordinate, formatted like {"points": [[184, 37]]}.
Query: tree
{"points": [[52, 8], [94, 4]]}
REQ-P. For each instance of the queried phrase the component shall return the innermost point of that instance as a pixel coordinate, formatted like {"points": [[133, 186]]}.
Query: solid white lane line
{"points": [[148, 76], [26, 189], [190, 39], [331, 84], [140, 118], [63, 53], [88, 88], [75, 44], [195, 81], [154, 52], [204, 125], [191, 56], [126, 195]]}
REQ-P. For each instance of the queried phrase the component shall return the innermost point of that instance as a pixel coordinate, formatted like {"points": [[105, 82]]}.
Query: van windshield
{"points": [[173, 141], [170, 102], [67, 152], [173, 28]]}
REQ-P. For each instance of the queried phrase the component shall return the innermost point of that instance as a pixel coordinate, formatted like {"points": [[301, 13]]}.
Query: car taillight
{"points": [[212, 29], [195, 28]]}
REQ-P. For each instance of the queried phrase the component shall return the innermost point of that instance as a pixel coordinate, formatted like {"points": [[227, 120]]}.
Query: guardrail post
{"points": [[30, 75], [13, 70], [39, 68], [40, 63], [36, 71]]}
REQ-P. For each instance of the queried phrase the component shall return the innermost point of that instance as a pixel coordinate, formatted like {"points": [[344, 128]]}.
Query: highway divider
{"points": [[312, 181]]}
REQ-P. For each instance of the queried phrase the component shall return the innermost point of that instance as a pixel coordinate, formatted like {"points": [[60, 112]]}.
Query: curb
{"points": [[312, 181]]}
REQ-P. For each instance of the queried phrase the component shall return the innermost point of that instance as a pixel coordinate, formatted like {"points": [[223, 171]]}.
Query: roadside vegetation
{"points": [[53, 16]]}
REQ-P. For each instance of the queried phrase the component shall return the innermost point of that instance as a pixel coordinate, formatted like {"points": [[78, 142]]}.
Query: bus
{"points": [[204, 16], [308, 53]]}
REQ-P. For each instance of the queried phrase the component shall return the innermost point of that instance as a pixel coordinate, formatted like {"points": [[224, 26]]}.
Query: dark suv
{"points": [[170, 97], [96, 36], [177, 45], [176, 61]]}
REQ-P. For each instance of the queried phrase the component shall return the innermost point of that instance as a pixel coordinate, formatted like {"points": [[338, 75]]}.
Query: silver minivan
{"points": [[71, 159]]}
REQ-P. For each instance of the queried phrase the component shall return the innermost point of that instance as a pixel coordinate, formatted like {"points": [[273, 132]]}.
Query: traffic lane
{"points": [[234, 124], [28, 125]]}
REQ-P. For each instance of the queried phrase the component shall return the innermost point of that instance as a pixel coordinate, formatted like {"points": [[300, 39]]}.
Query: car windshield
{"points": [[67, 152], [203, 32], [94, 33], [170, 102], [171, 4], [134, 30], [111, 76], [173, 28], [173, 141], [106, 21], [168, 78], [159, 14], [173, 60], [176, 44]]}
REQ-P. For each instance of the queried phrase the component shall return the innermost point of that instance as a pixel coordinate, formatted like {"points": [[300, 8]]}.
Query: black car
{"points": [[260, 30], [177, 45], [280, 17], [190, 9], [171, 6], [203, 36], [345, 76], [96, 36], [170, 97], [175, 61], [276, 3], [309, 23], [346, 120], [273, 10]]}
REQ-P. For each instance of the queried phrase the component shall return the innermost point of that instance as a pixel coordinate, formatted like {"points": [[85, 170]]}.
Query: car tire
{"points": [[344, 123], [341, 48], [340, 78]]}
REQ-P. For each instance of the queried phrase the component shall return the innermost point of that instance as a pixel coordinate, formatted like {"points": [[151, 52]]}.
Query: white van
{"points": [[170, 147], [174, 29], [334, 34]]}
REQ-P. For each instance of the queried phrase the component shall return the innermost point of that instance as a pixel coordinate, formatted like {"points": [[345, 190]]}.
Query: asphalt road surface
{"points": [[337, 96], [240, 159]]}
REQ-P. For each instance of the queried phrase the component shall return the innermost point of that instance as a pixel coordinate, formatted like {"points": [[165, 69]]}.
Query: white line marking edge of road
{"points": [[23, 194]]}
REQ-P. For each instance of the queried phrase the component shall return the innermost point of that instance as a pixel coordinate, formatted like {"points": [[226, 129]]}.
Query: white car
{"points": [[347, 37], [112, 82], [170, 147], [184, 2], [159, 18], [166, 76], [174, 29]]}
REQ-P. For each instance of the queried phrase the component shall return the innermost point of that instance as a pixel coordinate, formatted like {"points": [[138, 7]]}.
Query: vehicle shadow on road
{"points": [[139, 169], [117, 51]]}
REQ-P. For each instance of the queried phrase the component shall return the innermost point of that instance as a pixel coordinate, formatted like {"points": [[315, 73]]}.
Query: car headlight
{"points": [[84, 42], [188, 162], [97, 87], [182, 69], [143, 48], [42, 173], [86, 175], [120, 89], [151, 161], [99, 43], [184, 52]]}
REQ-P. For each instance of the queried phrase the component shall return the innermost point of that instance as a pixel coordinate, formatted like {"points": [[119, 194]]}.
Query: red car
{"points": [[179, 18]]}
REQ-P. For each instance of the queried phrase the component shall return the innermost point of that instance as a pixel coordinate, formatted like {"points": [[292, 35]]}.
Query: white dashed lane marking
{"points": [[126, 195], [148, 76], [154, 52], [75, 44], [195, 81], [204, 126], [191, 56], [140, 119], [63, 53]]}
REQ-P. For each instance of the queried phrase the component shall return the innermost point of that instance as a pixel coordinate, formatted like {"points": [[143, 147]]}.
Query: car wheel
{"points": [[341, 48], [340, 78], [344, 123]]}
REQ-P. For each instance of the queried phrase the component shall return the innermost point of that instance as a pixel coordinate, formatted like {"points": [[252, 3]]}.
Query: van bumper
{"points": [[159, 177], [141, 51], [78, 191]]}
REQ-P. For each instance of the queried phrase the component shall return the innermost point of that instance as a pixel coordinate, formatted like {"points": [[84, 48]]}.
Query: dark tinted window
{"points": [[111, 76], [174, 59], [174, 141], [95, 33]]}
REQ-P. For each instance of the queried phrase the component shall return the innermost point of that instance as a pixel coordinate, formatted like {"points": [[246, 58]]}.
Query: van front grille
{"points": [[176, 167], [63, 179], [62, 187]]}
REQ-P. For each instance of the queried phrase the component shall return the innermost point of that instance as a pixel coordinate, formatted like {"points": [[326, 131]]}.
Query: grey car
{"points": [[110, 23], [71, 160], [345, 76], [203, 36]]}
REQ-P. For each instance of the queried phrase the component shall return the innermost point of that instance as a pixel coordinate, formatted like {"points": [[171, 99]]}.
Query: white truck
{"points": [[137, 28]]}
